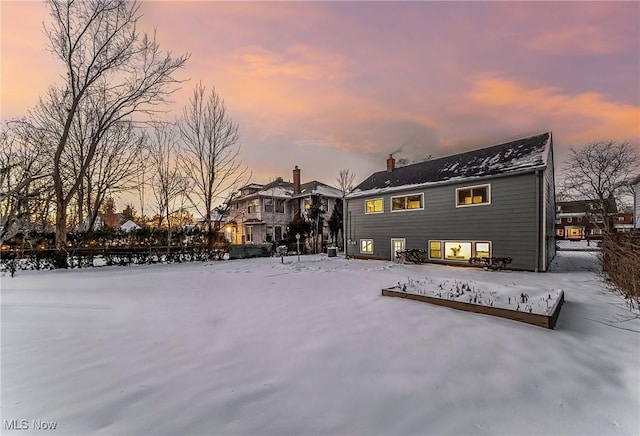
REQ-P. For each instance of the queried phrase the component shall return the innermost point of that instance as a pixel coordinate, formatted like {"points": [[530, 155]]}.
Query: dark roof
{"points": [[521, 154], [584, 206]]}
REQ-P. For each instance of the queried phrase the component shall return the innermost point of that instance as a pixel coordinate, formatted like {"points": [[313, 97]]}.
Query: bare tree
{"points": [[111, 71], [24, 167], [167, 181], [210, 154], [114, 167], [345, 181], [600, 171]]}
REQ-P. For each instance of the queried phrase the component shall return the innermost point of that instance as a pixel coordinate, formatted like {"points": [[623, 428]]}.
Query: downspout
{"points": [[538, 216], [545, 242], [344, 225]]}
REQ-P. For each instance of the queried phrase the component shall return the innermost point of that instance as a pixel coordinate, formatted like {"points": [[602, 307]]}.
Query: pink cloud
{"points": [[587, 39]]}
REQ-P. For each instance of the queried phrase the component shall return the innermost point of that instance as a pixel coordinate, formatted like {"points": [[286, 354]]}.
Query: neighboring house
{"points": [[129, 226], [99, 222], [583, 219], [497, 201], [261, 213], [623, 222], [635, 184]]}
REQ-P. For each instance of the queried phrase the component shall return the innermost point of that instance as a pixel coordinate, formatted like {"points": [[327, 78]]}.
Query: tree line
{"points": [[99, 132]]}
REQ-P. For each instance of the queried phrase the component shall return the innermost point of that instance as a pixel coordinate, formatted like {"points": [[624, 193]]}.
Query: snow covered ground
{"points": [[257, 347]]}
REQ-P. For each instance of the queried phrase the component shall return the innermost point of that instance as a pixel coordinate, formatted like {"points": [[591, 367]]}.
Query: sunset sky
{"points": [[334, 85]]}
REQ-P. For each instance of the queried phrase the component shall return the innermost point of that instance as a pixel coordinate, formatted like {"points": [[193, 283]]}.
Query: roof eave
{"points": [[377, 191]]}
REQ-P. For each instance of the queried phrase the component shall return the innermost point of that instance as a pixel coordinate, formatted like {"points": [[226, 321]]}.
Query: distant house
{"points": [[497, 201], [623, 222], [129, 226], [261, 212], [583, 219]]}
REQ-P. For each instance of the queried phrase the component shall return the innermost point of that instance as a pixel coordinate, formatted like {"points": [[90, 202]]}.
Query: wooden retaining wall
{"points": [[546, 321]]}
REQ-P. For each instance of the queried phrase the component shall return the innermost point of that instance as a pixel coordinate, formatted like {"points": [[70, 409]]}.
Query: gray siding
{"points": [[549, 213], [510, 222]]}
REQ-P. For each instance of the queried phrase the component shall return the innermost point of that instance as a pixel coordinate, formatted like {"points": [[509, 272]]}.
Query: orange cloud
{"points": [[582, 117]]}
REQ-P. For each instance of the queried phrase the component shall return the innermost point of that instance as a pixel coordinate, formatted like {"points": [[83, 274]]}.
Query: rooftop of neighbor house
{"points": [[526, 154], [279, 188]]}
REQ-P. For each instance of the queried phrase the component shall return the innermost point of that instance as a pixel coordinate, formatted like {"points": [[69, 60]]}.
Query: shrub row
{"points": [[621, 264]]}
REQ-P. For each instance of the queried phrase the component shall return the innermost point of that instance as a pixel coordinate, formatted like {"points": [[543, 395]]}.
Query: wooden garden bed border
{"points": [[546, 321]]}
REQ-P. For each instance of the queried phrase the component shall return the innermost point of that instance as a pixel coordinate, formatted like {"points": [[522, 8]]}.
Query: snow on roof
{"points": [[520, 155], [319, 188], [129, 225]]}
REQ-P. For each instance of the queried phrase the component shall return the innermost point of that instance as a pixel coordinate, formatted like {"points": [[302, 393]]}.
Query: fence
{"points": [[12, 260]]}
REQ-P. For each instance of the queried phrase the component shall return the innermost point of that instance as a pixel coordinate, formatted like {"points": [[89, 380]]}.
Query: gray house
{"points": [[497, 201]]}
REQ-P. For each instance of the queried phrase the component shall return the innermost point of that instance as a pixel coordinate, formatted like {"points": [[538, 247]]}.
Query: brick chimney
{"points": [[296, 180], [391, 163]]}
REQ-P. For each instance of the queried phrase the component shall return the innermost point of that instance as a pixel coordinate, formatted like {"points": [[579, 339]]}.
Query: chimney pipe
{"points": [[296, 180], [391, 163]]}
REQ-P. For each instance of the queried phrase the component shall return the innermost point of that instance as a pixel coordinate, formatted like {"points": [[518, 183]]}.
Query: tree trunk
{"points": [[60, 258]]}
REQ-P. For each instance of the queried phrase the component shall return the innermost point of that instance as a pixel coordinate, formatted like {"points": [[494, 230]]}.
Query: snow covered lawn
{"points": [[258, 347]]}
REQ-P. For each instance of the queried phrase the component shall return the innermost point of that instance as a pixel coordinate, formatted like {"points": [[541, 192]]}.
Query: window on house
{"points": [[374, 206], [435, 249], [574, 232], [483, 249], [473, 195], [268, 205], [560, 232], [579, 219], [620, 219], [456, 250], [278, 233], [596, 231], [274, 205], [407, 202], [366, 246], [253, 206], [558, 220], [569, 219], [248, 233], [269, 236], [558, 208], [599, 219]]}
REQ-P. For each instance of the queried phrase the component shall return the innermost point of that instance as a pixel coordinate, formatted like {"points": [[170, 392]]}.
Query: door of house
{"points": [[397, 244]]}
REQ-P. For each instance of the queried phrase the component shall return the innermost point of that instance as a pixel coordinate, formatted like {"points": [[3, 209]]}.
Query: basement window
{"points": [[366, 246], [435, 249]]}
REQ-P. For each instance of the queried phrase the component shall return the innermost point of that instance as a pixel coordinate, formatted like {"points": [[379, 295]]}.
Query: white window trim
{"points": [[373, 199], [421, 194], [366, 252], [474, 251], [488, 185]]}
